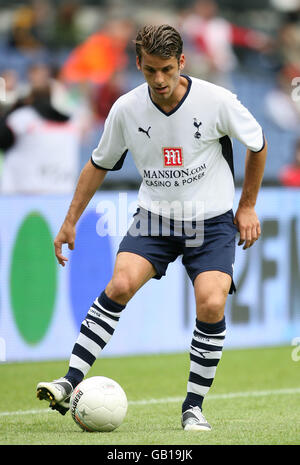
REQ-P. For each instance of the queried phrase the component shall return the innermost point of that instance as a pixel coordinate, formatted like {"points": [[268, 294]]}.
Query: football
{"points": [[98, 404]]}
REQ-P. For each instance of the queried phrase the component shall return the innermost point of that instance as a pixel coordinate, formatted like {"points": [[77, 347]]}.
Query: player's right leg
{"points": [[131, 272]]}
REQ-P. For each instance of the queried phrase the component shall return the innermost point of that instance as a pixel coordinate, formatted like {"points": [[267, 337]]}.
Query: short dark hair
{"points": [[163, 41]]}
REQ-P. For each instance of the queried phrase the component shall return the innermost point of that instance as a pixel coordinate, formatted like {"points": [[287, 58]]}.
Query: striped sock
{"points": [[95, 332], [205, 354]]}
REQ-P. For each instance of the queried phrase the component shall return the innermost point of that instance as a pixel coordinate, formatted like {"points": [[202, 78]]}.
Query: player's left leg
{"points": [[211, 290]]}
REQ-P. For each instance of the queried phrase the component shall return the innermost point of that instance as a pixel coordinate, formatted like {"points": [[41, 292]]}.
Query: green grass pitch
{"points": [[254, 400]]}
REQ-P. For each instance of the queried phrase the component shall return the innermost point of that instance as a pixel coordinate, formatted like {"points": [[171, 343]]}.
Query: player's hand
{"points": [[248, 226], [66, 235]]}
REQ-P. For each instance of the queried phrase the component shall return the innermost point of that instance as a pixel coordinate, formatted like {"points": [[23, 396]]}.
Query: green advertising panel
{"points": [[33, 278]]}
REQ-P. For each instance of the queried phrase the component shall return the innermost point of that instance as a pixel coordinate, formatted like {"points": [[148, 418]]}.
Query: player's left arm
{"points": [[246, 218]]}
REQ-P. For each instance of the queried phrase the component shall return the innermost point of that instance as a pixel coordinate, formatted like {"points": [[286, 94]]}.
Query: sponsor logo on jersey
{"points": [[173, 156]]}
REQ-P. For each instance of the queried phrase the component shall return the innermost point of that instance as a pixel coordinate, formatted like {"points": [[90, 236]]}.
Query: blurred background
{"points": [[62, 66], [84, 50]]}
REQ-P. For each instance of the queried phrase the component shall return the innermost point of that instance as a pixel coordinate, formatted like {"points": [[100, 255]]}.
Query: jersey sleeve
{"points": [[111, 151], [236, 121]]}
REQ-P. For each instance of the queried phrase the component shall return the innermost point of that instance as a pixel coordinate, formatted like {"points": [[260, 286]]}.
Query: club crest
{"points": [[197, 125]]}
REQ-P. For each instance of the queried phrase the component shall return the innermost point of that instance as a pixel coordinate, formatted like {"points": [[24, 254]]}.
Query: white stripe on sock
{"points": [[109, 321], [197, 389], [76, 362], [89, 344], [205, 372]]}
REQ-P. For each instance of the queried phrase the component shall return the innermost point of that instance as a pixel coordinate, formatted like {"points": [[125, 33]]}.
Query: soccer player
{"points": [[179, 131]]}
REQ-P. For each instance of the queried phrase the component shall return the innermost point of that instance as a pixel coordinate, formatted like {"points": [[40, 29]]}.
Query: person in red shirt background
{"points": [[290, 175]]}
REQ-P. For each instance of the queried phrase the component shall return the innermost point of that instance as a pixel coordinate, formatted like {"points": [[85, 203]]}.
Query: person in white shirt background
{"points": [[40, 142]]}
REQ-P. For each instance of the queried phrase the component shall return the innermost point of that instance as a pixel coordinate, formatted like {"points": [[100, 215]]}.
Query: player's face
{"points": [[162, 75]]}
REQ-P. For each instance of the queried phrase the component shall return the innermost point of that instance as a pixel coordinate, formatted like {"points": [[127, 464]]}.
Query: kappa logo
{"points": [[145, 132], [201, 352], [173, 156], [197, 125], [88, 322]]}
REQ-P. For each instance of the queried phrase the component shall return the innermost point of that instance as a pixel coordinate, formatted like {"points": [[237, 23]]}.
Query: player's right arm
{"points": [[109, 155], [89, 181]]}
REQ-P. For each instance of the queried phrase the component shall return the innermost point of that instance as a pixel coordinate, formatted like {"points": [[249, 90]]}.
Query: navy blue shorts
{"points": [[212, 247]]}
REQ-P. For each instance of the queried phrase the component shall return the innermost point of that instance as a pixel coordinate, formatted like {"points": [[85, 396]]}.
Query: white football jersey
{"points": [[185, 156]]}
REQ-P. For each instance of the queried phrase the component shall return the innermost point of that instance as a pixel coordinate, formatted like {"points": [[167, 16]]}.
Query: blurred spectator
{"points": [[66, 33], [29, 23], [279, 105], [44, 20], [12, 90], [41, 147], [285, 5], [104, 96], [38, 75], [289, 39], [101, 55], [290, 175], [96, 67], [64, 99], [100, 98], [23, 35], [211, 38]]}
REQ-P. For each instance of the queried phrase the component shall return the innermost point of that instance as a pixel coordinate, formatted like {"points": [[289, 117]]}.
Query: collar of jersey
{"points": [[169, 113]]}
